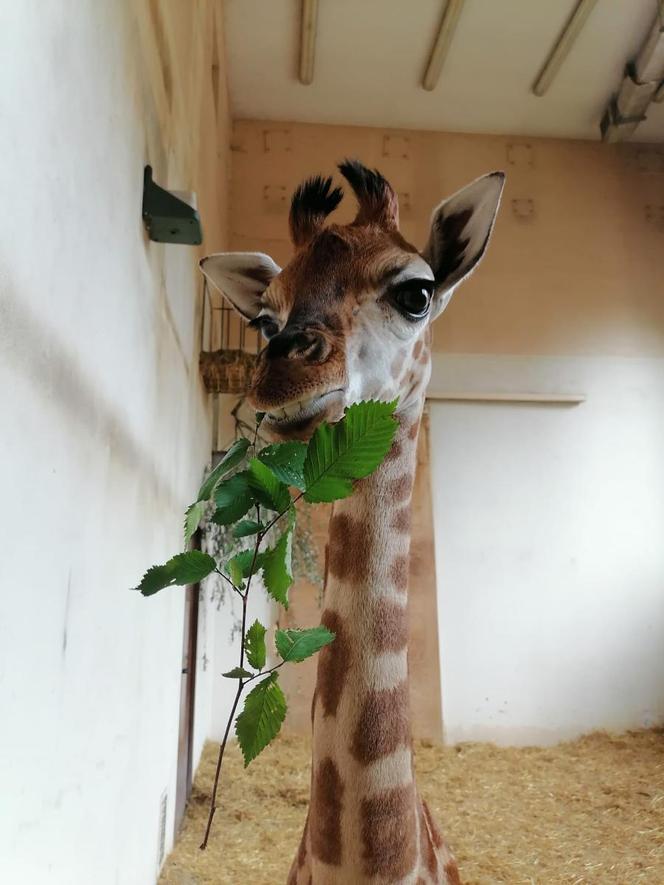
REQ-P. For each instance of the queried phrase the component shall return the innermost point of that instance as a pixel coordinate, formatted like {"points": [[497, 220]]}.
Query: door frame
{"points": [[185, 756]]}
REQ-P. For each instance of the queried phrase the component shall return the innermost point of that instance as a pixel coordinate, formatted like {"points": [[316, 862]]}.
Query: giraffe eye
{"points": [[413, 298], [265, 325]]}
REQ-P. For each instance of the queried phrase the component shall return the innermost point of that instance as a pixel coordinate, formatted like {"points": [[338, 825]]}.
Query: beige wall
{"points": [[580, 275]]}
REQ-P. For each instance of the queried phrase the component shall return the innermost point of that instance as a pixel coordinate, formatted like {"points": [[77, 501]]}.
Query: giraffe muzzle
{"points": [[298, 418]]}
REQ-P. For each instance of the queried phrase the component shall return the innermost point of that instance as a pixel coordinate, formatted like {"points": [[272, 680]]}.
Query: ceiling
{"points": [[371, 54]]}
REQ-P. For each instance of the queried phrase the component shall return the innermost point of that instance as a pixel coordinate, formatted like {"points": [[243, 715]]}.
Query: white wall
{"points": [[550, 563], [103, 437]]}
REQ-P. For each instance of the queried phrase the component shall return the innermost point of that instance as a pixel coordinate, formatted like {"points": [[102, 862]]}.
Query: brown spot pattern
{"points": [[313, 707], [326, 807], [395, 452], [389, 833], [417, 350], [452, 873], [302, 850], [333, 664], [348, 548], [413, 429], [390, 630], [432, 826], [427, 850], [399, 489], [383, 724], [401, 521], [399, 573]]}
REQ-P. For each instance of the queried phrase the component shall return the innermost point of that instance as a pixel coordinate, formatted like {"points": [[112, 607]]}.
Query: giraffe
{"points": [[349, 319]]}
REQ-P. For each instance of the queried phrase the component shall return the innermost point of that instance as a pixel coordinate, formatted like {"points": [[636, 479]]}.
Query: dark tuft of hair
{"points": [[377, 200], [311, 204]]}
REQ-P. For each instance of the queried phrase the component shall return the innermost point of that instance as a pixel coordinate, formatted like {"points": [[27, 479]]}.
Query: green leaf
{"points": [[254, 645], [230, 460], [277, 568], [234, 569], [261, 719], [192, 519], [286, 461], [239, 566], [247, 527], [234, 498], [298, 645], [237, 673], [270, 491], [339, 453], [184, 568]]}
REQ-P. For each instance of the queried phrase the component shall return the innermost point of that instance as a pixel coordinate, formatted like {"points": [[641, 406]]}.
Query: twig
{"points": [[245, 597], [241, 683], [213, 803], [228, 580]]}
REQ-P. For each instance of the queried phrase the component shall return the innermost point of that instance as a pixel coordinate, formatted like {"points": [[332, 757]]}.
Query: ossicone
{"points": [[311, 204], [378, 202]]}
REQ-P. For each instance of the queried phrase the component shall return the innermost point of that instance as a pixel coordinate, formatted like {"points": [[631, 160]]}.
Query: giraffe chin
{"points": [[297, 419]]}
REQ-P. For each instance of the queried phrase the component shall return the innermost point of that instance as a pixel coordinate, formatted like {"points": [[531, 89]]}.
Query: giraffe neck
{"points": [[363, 816]]}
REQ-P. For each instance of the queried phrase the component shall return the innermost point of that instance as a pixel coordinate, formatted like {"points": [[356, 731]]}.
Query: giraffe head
{"points": [[347, 318]]}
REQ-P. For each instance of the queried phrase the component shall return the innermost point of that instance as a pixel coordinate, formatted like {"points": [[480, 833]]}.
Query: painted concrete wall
{"points": [[549, 522], [548, 583], [105, 428]]}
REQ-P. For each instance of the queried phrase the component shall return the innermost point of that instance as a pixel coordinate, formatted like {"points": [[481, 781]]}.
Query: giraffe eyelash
{"points": [[264, 324]]}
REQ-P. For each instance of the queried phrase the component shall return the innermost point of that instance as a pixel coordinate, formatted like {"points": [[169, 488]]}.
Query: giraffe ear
{"points": [[242, 277], [460, 231]]}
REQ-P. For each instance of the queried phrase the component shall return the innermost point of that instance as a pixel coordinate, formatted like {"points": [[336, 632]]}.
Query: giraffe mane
{"points": [[311, 204]]}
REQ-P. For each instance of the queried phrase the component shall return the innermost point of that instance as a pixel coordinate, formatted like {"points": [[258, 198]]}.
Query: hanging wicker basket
{"points": [[227, 371]]}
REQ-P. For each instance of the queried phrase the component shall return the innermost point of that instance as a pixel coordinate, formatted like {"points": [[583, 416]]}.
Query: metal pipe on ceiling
{"points": [[308, 27], [563, 45], [441, 46], [642, 84]]}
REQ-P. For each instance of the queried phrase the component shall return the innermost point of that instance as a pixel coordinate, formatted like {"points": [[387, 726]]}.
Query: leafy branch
{"points": [[251, 491]]}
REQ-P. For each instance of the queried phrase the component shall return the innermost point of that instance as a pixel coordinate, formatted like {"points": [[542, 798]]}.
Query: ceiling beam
{"points": [[442, 43], [308, 27], [563, 45]]}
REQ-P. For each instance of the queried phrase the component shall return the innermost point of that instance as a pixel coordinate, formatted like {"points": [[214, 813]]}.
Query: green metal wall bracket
{"points": [[170, 216]]}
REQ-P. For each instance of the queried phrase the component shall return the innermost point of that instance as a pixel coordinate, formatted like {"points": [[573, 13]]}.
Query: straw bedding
{"points": [[587, 811]]}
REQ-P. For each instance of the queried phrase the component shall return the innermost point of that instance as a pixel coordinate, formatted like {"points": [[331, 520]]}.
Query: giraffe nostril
{"points": [[299, 344], [306, 345]]}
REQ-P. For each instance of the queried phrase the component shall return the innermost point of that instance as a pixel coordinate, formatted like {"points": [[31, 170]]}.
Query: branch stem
{"points": [[241, 684], [213, 802], [245, 597]]}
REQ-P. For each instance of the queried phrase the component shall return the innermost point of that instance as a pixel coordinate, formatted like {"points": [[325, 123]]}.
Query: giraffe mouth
{"points": [[301, 412]]}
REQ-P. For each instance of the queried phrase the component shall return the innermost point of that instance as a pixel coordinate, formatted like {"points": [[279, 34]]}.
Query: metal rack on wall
{"points": [[228, 351]]}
